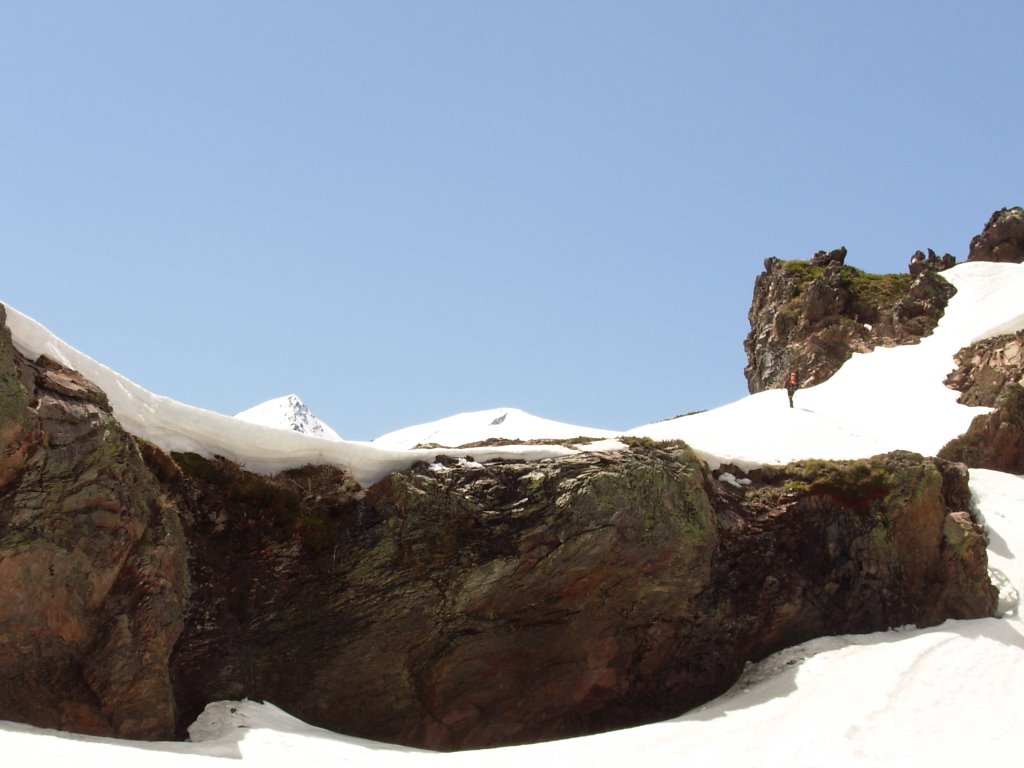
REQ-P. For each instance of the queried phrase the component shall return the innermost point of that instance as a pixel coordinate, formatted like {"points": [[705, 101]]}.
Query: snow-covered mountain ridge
{"points": [[887, 399], [288, 412], [491, 424]]}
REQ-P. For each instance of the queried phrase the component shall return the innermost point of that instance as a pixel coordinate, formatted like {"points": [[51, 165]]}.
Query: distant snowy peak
{"points": [[478, 426], [288, 412]]}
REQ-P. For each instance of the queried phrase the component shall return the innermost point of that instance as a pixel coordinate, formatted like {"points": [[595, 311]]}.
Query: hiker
{"points": [[792, 385]]}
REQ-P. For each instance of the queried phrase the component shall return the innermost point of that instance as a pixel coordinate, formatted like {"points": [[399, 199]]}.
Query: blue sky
{"points": [[404, 210]]}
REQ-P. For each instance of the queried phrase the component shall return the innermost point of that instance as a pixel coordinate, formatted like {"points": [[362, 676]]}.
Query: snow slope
{"points": [[881, 401], [288, 412], [945, 696], [886, 399], [174, 426], [476, 426]]}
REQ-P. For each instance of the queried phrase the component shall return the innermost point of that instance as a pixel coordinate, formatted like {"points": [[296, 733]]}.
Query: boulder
{"points": [[1002, 239], [456, 606]]}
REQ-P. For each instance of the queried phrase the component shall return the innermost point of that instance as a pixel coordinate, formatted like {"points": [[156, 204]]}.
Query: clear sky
{"points": [[404, 210]]}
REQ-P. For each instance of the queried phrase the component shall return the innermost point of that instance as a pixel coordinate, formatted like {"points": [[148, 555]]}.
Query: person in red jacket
{"points": [[792, 385]]}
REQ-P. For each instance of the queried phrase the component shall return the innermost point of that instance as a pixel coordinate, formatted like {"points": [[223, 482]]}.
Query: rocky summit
{"points": [[811, 316], [1002, 239]]}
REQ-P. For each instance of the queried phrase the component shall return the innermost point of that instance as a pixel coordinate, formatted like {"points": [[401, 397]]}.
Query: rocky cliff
{"points": [[454, 604], [93, 577], [463, 606], [991, 373], [1002, 239], [811, 316]]}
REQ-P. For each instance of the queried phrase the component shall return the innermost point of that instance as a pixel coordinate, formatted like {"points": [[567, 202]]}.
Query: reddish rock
{"points": [[93, 574], [461, 607], [448, 606]]}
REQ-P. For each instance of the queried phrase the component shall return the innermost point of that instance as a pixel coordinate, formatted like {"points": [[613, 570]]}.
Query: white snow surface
{"points": [[878, 402], [884, 400], [174, 426], [476, 426], [288, 412], [944, 696]]}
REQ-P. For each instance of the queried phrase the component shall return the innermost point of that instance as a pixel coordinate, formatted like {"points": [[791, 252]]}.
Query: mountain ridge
{"points": [[288, 412]]}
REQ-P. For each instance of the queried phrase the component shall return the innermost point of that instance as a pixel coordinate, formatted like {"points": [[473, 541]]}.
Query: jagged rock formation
{"points": [[93, 576], [986, 368], [471, 606], [1002, 239], [919, 263], [811, 316], [991, 373]]}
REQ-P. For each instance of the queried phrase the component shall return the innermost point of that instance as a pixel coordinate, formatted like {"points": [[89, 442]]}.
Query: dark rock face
{"points": [[448, 606], [1002, 239], [995, 440], [985, 369], [458, 606], [990, 373], [812, 316], [464, 606], [93, 577]]}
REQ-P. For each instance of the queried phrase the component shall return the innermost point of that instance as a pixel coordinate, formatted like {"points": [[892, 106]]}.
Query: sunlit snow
{"points": [[174, 426], [878, 402], [476, 426], [288, 412], [945, 696]]}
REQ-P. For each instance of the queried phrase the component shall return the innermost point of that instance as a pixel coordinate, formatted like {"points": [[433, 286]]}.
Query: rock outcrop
{"points": [[452, 605], [1002, 239], [986, 368], [991, 373], [459, 606], [93, 576], [811, 316]]}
